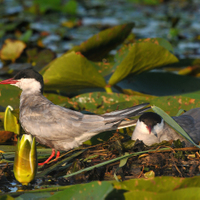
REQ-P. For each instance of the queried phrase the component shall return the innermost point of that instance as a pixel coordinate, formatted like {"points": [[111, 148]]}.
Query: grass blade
{"points": [[173, 124]]}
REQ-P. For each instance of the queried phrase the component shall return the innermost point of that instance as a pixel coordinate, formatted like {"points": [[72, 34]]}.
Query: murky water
{"points": [[150, 21]]}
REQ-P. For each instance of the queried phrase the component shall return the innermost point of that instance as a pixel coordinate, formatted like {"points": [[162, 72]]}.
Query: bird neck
{"points": [[28, 99]]}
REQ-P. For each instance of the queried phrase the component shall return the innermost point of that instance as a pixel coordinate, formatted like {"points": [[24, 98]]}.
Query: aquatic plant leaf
{"points": [[26, 36], [172, 104], [160, 84], [71, 72], [188, 193], [159, 41], [164, 186], [70, 7], [6, 197], [96, 47], [104, 68], [101, 102], [94, 190], [10, 121], [171, 187], [12, 49], [139, 57], [44, 5]]}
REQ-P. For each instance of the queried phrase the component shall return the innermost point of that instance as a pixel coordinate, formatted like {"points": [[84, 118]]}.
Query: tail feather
{"points": [[125, 124], [130, 110], [117, 116], [138, 112]]}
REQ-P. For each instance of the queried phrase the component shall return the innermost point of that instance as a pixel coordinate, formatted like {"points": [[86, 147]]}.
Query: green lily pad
{"points": [[6, 197], [104, 68], [71, 72], [101, 102], [159, 41], [57, 99], [172, 104], [139, 57], [160, 84], [96, 47], [93, 190], [188, 193], [161, 184], [9, 96]]}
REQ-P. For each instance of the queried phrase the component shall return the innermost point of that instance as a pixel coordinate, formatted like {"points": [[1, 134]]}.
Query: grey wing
{"points": [[57, 123], [190, 122], [61, 128]]}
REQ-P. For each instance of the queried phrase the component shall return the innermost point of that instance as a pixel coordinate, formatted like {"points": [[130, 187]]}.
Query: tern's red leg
{"points": [[58, 154], [50, 157]]}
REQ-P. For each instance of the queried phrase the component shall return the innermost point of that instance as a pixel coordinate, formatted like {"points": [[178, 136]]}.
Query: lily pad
{"points": [[57, 99], [161, 184], [96, 47], [104, 68], [101, 102], [188, 193], [12, 49], [172, 104], [94, 190], [159, 41], [9, 96], [139, 57], [71, 72], [160, 84]]}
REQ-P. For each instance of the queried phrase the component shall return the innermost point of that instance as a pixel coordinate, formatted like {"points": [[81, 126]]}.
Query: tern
{"points": [[57, 127], [151, 128]]}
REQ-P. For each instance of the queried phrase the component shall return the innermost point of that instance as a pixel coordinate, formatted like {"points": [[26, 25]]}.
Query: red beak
{"points": [[9, 81], [149, 129]]}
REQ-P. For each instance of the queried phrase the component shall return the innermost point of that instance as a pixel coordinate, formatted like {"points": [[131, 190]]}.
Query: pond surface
{"points": [[176, 21]]}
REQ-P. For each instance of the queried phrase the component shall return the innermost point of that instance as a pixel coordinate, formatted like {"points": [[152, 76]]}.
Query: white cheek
{"points": [[140, 131], [158, 128], [28, 85], [18, 84]]}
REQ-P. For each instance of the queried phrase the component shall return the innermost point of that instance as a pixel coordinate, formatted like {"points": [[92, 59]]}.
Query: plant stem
{"points": [[108, 89]]}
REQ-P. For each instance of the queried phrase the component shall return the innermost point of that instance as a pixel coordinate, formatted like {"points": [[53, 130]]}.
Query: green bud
{"points": [[25, 163]]}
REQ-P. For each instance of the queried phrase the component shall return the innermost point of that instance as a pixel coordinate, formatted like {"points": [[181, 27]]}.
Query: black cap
{"points": [[30, 73], [150, 118]]}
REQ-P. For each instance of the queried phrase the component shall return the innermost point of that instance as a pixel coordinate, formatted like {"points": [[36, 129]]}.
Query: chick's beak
{"points": [[149, 129], [9, 81]]}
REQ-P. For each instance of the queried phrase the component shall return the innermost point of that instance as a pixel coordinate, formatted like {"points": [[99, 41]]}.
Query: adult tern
{"points": [[151, 128], [58, 127]]}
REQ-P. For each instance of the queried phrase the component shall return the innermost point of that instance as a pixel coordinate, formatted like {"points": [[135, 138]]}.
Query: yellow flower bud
{"points": [[25, 163]]}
